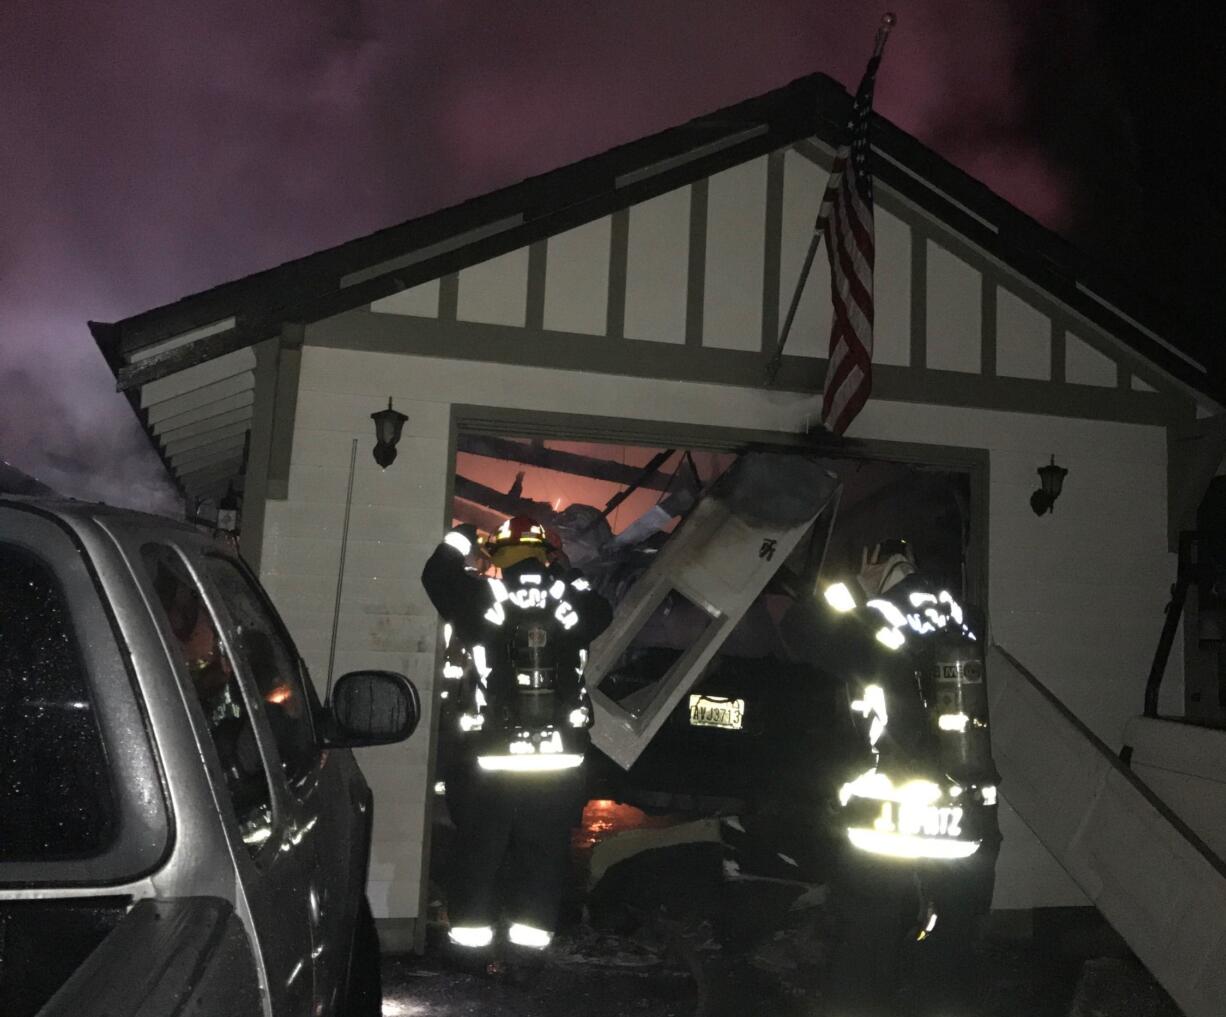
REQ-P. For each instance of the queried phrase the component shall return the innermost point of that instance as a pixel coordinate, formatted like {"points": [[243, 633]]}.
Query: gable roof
{"points": [[238, 314]]}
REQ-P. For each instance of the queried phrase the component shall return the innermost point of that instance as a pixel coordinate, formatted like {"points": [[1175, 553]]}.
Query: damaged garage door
{"points": [[716, 563]]}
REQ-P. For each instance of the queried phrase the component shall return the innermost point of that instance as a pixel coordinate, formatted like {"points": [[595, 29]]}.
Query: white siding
{"points": [[736, 240], [892, 290], [657, 267], [421, 301], [955, 312], [1080, 615], [1084, 365], [186, 381], [803, 184], [204, 397], [496, 291], [1023, 338], [577, 279]]}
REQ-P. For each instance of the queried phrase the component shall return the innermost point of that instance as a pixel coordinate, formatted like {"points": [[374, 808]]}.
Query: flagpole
{"points": [[819, 227]]}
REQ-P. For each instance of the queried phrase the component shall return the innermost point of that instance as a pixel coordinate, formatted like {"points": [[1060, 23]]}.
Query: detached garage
{"points": [[628, 304]]}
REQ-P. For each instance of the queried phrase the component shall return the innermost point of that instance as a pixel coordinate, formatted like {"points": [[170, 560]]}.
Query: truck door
{"points": [[268, 828], [325, 792]]}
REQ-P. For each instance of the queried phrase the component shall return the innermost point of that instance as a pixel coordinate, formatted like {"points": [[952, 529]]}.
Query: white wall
{"points": [[1076, 595]]}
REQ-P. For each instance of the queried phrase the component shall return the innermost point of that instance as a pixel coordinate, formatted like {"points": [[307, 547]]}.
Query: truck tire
{"points": [[364, 994]]}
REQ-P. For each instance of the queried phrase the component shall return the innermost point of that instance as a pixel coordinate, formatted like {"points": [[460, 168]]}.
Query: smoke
{"points": [[156, 148]]}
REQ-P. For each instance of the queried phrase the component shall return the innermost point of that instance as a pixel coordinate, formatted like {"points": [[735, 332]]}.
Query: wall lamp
{"points": [[388, 425], [1051, 477]]}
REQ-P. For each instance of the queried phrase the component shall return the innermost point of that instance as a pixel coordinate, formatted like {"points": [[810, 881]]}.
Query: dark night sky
{"points": [[154, 148]]}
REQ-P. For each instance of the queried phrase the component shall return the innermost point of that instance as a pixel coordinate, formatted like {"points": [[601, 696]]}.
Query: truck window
{"points": [[272, 665], [56, 800], [217, 688]]}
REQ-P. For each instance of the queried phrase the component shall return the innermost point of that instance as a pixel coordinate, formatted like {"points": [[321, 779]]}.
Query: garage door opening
{"points": [[765, 723]]}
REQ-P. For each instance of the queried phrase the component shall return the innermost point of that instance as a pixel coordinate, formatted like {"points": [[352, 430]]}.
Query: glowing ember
{"points": [[602, 818]]}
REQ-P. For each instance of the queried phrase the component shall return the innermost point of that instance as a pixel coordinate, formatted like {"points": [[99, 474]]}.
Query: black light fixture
{"points": [[228, 511], [388, 425], [1051, 477]]}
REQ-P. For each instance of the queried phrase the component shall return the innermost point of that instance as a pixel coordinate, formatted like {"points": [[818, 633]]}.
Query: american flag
{"points": [[847, 218]]}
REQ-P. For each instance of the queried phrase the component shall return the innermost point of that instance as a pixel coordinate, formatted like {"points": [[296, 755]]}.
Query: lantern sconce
{"points": [[388, 425], [1051, 477]]}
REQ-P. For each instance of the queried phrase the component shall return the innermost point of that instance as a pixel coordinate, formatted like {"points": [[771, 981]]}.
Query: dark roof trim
{"points": [[356, 273]]}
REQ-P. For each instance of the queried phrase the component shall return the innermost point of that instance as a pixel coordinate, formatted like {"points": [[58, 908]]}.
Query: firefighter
{"points": [[522, 710], [922, 817]]}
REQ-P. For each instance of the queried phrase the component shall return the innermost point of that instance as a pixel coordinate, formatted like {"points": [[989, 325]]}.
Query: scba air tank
{"points": [[959, 702]]}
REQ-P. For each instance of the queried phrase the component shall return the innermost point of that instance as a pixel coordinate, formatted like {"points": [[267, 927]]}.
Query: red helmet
{"points": [[518, 538]]}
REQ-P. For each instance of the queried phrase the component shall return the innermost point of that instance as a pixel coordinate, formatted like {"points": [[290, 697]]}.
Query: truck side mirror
{"points": [[373, 708]]}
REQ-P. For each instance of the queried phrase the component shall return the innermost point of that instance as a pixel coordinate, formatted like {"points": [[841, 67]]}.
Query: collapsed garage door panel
{"points": [[717, 560]]}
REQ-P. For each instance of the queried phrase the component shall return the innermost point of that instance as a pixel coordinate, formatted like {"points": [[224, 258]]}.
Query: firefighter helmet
{"points": [[517, 539]]}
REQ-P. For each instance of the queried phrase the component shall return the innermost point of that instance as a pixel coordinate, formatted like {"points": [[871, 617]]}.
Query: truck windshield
{"points": [[56, 800]]}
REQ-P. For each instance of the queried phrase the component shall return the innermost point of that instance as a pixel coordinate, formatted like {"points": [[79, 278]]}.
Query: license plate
{"points": [[930, 820], [706, 711]]}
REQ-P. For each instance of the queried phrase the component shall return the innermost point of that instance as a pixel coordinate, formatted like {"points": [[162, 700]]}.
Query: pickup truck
{"points": [[183, 828]]}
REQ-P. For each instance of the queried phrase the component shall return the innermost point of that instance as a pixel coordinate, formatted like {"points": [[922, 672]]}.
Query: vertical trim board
{"points": [[619, 240], [988, 312], [696, 271], [771, 253], [448, 296], [1059, 352], [919, 300], [534, 310]]}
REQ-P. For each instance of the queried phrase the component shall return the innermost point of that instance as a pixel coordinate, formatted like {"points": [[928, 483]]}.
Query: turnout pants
{"points": [[513, 845]]}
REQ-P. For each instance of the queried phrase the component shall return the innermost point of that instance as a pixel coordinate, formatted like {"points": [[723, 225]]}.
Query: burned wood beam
{"points": [[648, 473], [563, 462], [507, 504]]}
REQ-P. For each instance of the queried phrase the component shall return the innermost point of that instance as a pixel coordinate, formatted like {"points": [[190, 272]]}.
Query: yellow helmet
{"points": [[518, 539]]}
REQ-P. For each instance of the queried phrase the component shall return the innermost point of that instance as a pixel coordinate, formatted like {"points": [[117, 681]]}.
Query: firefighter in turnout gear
{"points": [[919, 807], [522, 711]]}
